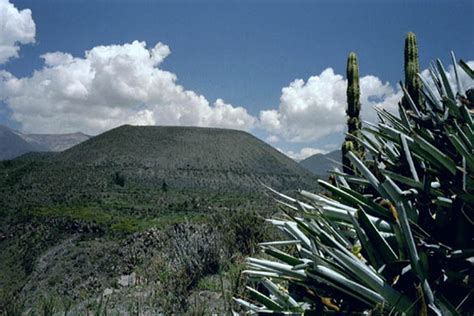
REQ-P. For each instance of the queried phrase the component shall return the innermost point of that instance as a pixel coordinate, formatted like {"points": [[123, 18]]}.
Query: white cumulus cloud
{"points": [[272, 139], [311, 110], [16, 27], [304, 153], [109, 86]]}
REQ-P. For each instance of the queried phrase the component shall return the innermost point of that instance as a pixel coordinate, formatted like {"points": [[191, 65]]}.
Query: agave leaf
{"points": [[371, 140], [410, 100], [462, 150], [391, 152], [409, 182], [364, 143], [463, 135], [445, 306], [340, 193], [346, 178], [347, 283], [294, 208], [380, 244], [402, 179], [392, 134], [355, 200], [392, 119], [264, 300], [372, 208], [447, 86], [293, 228], [437, 156], [460, 89], [430, 94], [325, 201], [283, 298], [393, 191], [466, 68], [414, 258], [286, 197], [248, 305], [404, 118], [373, 257], [444, 202], [332, 229], [340, 180], [466, 115], [280, 243], [374, 281], [263, 273], [280, 268], [367, 174], [434, 73], [409, 158], [469, 133], [286, 258], [341, 215], [453, 108]]}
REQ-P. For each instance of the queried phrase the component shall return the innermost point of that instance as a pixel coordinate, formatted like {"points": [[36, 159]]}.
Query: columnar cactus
{"points": [[412, 68], [353, 112]]}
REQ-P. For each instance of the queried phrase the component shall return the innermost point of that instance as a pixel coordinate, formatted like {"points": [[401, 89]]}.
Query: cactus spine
{"points": [[412, 68], [353, 112]]}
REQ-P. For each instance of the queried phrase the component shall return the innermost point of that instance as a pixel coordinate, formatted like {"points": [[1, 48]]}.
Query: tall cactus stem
{"points": [[353, 112]]}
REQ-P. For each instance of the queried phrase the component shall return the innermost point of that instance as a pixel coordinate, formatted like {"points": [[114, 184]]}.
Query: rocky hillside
{"points": [[187, 157], [163, 215], [131, 158]]}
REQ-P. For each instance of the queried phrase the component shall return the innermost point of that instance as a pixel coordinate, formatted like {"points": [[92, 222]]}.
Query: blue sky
{"points": [[243, 52]]}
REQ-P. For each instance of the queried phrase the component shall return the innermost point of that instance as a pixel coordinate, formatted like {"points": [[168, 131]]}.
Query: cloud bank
{"points": [[311, 110], [110, 86], [16, 27]]}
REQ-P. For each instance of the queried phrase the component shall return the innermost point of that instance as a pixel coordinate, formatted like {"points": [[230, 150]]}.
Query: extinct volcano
{"points": [[133, 158]]}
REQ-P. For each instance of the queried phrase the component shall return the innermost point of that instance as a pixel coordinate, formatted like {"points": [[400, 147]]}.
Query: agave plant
{"points": [[402, 243]]}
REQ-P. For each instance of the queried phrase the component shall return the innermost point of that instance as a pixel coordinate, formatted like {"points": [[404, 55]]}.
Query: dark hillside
{"points": [[136, 159], [204, 154], [172, 204]]}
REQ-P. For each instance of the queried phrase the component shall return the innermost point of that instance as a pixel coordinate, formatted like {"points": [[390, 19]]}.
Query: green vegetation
{"points": [[354, 124], [71, 251], [116, 221], [402, 247]]}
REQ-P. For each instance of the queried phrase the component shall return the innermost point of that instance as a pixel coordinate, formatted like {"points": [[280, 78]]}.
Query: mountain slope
{"points": [[319, 164], [55, 142], [148, 158], [12, 145], [190, 157], [72, 222]]}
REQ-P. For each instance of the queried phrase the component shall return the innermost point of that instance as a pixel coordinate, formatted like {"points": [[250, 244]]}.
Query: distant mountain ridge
{"points": [[14, 143], [320, 164], [56, 142]]}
